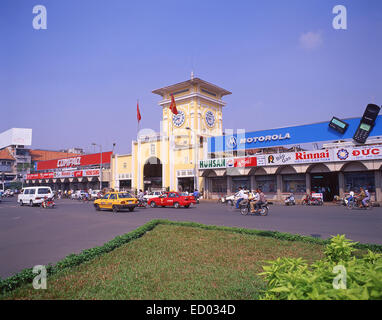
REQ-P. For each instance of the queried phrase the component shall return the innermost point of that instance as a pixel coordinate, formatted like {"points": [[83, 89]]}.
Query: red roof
{"points": [[44, 155], [5, 155]]}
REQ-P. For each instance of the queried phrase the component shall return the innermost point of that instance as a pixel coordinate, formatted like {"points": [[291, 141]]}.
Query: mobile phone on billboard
{"points": [[366, 123]]}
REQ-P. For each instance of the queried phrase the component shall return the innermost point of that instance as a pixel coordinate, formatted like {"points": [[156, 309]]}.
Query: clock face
{"points": [[178, 119], [210, 119]]}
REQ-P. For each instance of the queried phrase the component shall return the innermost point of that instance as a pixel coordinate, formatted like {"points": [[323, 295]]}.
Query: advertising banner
{"points": [[212, 164], [242, 162], [64, 174], [78, 161], [325, 155], [358, 153]]}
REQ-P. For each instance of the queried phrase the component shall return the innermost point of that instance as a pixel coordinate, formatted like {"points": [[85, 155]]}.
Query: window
{"points": [[356, 180], [43, 191], [295, 183], [152, 149], [267, 184], [32, 191], [219, 185], [113, 196], [124, 165], [106, 196], [125, 195], [243, 182], [26, 191]]}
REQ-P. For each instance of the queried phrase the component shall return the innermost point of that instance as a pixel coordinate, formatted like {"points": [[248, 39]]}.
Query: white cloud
{"points": [[311, 40]]}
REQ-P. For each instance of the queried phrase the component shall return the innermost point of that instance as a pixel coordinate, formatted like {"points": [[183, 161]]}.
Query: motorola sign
{"points": [[231, 142]]}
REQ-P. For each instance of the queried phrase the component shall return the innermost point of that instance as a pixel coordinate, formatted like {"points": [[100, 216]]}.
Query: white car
{"points": [[154, 194], [34, 195], [94, 194]]}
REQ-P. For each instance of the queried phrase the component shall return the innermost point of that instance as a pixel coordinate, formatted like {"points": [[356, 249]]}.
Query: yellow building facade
{"points": [[168, 160]]}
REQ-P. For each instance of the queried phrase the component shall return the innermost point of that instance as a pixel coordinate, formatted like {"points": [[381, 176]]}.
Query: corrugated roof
{"points": [[44, 155], [5, 155]]}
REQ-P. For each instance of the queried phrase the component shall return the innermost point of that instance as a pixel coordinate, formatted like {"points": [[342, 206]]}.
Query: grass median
{"points": [[174, 262]]}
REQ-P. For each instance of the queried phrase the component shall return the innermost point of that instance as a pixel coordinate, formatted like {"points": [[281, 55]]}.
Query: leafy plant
{"points": [[294, 279]]}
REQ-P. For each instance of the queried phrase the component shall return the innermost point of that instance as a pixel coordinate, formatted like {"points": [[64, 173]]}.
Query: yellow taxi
{"points": [[116, 201]]}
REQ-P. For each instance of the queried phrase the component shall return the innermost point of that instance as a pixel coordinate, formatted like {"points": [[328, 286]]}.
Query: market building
{"points": [[192, 151], [76, 172], [168, 160]]}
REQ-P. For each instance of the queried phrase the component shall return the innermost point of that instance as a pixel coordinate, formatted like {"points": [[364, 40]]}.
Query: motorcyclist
{"points": [[240, 196], [290, 199], [367, 198], [262, 200], [196, 195], [254, 200], [350, 198], [361, 197]]}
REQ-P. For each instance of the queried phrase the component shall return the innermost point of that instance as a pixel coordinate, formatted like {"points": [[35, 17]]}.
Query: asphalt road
{"points": [[32, 236]]}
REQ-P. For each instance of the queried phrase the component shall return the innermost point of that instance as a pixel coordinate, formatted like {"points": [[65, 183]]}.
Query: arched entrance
{"points": [[152, 174]]}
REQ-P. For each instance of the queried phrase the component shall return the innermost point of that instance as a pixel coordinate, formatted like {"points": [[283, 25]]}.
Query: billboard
{"points": [[16, 136], [77, 161], [317, 132]]}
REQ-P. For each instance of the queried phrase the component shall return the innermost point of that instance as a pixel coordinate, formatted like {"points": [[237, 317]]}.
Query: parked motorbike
{"points": [[48, 203], [245, 208], [312, 201], [290, 201]]}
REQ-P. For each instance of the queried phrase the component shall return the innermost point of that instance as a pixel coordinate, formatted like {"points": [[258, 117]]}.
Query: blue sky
{"points": [[78, 81]]}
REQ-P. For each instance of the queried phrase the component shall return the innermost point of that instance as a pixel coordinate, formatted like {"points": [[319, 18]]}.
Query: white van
{"points": [[34, 195]]}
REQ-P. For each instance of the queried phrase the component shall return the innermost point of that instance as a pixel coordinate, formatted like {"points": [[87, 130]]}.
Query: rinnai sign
{"points": [[298, 157], [85, 160], [63, 174]]}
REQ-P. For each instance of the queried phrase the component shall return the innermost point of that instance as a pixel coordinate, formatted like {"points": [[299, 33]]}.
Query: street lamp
{"points": [[100, 166], [195, 157]]}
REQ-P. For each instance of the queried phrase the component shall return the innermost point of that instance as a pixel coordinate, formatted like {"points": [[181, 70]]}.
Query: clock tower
{"points": [[199, 104]]}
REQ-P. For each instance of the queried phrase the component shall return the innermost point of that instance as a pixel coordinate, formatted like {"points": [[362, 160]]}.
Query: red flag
{"points": [[138, 113], [173, 105]]}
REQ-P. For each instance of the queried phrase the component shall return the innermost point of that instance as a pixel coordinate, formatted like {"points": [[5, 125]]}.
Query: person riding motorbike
{"points": [[367, 198], [255, 197], [361, 197], [241, 196], [196, 195]]}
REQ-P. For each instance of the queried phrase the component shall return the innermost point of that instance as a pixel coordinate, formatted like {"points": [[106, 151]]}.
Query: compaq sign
{"points": [[69, 162]]}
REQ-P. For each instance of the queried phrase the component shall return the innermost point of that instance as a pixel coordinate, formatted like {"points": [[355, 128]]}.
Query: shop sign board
{"points": [[242, 162], [358, 153], [325, 155], [77, 161], [63, 174], [212, 164]]}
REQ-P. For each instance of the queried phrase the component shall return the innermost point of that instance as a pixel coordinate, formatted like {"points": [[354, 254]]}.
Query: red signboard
{"points": [[64, 174], [245, 162], [77, 161]]}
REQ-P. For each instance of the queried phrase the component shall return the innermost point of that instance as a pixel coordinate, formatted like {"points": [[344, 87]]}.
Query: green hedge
{"points": [[26, 276]]}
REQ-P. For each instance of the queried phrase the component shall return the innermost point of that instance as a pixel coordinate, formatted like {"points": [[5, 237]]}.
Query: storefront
{"points": [[320, 162], [74, 173]]}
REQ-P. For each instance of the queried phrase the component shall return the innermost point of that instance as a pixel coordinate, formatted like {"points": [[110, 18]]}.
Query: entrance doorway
{"points": [[152, 174], [186, 184], [325, 183]]}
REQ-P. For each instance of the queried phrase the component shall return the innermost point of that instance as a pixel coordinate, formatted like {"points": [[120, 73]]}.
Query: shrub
{"points": [[339, 276]]}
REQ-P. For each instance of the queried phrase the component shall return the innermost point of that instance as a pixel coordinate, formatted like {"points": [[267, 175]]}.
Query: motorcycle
{"points": [[312, 201], [142, 203], [289, 201], [245, 208], [47, 203], [355, 204]]}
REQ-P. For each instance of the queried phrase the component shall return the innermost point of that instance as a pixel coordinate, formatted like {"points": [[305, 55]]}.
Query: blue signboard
{"points": [[317, 132]]}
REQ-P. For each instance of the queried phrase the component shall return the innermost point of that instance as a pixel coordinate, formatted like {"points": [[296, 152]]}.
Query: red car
{"points": [[172, 199]]}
